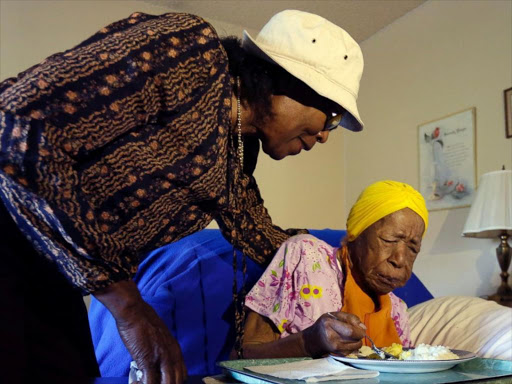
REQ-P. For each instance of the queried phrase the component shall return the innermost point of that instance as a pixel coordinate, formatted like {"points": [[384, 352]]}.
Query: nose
{"points": [[322, 137], [398, 257]]}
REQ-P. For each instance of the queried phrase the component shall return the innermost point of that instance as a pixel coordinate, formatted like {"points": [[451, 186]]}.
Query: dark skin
{"points": [[383, 255], [381, 259], [327, 335], [297, 123], [145, 335]]}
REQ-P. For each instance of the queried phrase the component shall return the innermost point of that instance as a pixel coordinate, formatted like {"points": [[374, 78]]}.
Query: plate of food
{"points": [[424, 358]]}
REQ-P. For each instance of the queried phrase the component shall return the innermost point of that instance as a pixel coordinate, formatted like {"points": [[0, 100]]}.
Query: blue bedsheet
{"points": [[189, 284]]}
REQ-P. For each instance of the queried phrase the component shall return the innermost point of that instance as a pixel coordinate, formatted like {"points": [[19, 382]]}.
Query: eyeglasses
{"points": [[333, 122]]}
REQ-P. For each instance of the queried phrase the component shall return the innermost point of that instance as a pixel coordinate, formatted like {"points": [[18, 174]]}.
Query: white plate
{"points": [[407, 366]]}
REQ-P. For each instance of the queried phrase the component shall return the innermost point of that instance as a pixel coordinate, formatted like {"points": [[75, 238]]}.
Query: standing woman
{"points": [[139, 136]]}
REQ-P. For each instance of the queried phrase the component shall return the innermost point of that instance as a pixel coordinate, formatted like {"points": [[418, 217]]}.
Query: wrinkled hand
{"points": [[156, 352], [340, 334]]}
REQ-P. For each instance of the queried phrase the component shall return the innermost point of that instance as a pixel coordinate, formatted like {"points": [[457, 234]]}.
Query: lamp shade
{"points": [[491, 212]]}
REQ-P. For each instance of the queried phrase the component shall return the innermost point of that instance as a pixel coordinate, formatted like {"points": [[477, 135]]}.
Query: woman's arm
{"points": [[262, 340], [327, 335], [154, 349]]}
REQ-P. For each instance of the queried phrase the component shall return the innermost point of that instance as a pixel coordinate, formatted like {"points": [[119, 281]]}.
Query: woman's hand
{"points": [[151, 345], [339, 333], [153, 348]]}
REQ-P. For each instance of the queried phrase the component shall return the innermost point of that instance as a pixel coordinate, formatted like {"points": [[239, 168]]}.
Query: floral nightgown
{"points": [[304, 281]]}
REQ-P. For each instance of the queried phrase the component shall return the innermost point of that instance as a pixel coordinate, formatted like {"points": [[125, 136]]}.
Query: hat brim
{"points": [[313, 78]]}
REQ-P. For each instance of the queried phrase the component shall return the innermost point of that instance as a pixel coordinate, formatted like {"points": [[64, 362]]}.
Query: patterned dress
{"points": [[123, 144], [304, 281]]}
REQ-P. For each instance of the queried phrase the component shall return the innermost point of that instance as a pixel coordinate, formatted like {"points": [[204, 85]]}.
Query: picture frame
{"points": [[507, 94], [447, 160]]}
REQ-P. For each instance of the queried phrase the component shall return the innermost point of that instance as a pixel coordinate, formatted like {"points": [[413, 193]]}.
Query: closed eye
{"points": [[387, 241]]}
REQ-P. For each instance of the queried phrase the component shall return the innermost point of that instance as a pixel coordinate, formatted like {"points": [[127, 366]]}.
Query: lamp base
{"points": [[501, 299], [504, 294]]}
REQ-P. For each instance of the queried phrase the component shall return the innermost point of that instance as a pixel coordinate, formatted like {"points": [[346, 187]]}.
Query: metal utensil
{"points": [[378, 351]]}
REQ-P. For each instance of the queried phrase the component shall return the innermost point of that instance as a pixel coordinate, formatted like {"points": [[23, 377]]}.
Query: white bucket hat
{"points": [[317, 52]]}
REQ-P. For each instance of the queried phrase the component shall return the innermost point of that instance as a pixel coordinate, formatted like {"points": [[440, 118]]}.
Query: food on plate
{"points": [[394, 349], [364, 351], [428, 352], [421, 352]]}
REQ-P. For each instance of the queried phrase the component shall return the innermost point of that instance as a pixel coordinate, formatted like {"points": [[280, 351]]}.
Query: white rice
{"points": [[429, 352]]}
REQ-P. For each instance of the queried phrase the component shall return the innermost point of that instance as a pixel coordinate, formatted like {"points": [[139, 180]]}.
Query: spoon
{"points": [[377, 350]]}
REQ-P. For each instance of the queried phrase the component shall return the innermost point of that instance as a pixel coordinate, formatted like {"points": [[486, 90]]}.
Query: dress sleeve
{"points": [[33, 213], [274, 295], [401, 320], [259, 236]]}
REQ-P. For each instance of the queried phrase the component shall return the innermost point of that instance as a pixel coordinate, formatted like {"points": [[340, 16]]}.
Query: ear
{"points": [[354, 248]]}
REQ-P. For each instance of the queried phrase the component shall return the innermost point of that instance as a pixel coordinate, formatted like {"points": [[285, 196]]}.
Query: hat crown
{"points": [[315, 41], [317, 52]]}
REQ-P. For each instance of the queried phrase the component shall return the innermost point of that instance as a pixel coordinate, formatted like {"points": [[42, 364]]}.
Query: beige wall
{"points": [[442, 57], [31, 30]]}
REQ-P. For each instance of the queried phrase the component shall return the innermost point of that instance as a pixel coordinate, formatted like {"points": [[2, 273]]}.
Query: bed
{"points": [[189, 284]]}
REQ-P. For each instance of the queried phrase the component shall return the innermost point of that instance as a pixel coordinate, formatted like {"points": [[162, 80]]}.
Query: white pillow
{"points": [[466, 323]]}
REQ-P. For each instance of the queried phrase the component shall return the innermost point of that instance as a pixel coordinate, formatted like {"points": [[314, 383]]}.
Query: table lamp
{"points": [[490, 216]]}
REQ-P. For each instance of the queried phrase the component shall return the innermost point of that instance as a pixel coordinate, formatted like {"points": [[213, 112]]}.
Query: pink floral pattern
{"points": [[304, 281]]}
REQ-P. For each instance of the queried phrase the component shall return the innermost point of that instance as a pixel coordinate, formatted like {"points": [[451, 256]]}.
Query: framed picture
{"points": [[447, 160], [508, 112]]}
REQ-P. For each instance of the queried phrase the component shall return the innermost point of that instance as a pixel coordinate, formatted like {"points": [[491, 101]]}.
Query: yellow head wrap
{"points": [[381, 199]]}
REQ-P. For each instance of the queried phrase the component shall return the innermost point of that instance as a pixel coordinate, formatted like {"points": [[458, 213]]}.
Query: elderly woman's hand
{"points": [[337, 332], [145, 335]]}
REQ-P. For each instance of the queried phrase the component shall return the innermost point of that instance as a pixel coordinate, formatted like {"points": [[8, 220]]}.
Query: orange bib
{"points": [[379, 325]]}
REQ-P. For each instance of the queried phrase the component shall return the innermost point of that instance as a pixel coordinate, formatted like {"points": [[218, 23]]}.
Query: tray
{"points": [[477, 370]]}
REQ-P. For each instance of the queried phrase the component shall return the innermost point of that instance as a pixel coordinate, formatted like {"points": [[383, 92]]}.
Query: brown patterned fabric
{"points": [[123, 144]]}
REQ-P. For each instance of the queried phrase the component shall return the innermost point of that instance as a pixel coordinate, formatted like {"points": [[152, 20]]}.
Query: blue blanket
{"points": [[189, 284]]}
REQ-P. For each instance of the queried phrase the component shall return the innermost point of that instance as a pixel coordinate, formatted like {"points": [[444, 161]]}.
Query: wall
{"points": [[31, 30], [441, 58]]}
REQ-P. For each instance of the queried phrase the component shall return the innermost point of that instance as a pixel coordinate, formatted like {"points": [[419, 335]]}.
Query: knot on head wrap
{"points": [[381, 199]]}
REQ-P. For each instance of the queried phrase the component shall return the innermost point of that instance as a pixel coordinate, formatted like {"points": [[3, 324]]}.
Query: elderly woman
{"points": [[308, 280], [137, 137]]}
